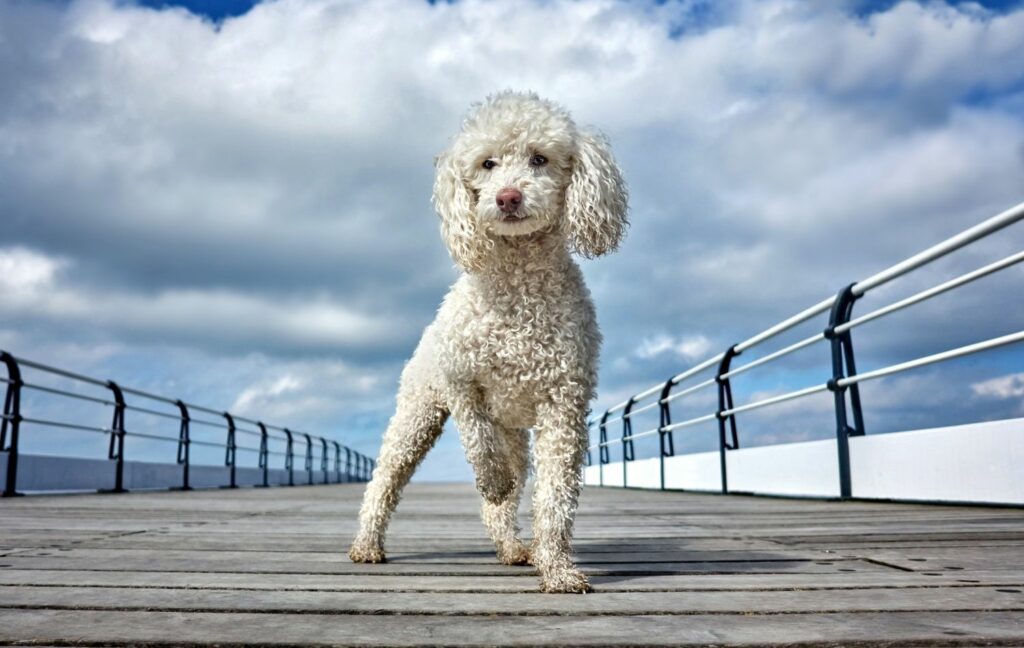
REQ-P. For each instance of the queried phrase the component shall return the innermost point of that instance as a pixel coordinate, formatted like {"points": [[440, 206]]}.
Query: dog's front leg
{"points": [[484, 446], [559, 447]]}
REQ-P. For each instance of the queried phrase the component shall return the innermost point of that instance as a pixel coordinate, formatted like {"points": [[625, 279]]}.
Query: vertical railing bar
{"points": [[184, 444], [348, 464], [289, 456], [309, 459], [323, 459], [724, 404], [12, 420], [264, 460], [589, 459], [628, 450], [604, 456], [229, 448], [337, 461], [117, 433], [842, 352], [665, 419]]}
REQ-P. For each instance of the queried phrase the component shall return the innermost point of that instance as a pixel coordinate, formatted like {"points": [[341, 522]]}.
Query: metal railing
{"points": [[843, 382], [348, 465]]}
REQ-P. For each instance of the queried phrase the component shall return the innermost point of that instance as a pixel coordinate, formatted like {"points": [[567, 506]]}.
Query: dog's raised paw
{"points": [[565, 581], [359, 553]]}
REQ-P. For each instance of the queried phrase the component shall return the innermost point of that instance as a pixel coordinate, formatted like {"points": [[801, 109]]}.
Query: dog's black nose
{"points": [[509, 199]]}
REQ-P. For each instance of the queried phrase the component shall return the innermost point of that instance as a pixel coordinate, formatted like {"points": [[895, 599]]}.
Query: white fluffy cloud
{"points": [[688, 348], [259, 188], [1009, 386]]}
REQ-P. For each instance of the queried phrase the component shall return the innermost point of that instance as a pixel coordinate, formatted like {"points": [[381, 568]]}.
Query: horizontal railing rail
{"points": [[348, 465], [843, 382]]}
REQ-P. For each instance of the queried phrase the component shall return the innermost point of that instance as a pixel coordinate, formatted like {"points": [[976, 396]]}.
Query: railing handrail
{"points": [[845, 380], [12, 417], [951, 244]]}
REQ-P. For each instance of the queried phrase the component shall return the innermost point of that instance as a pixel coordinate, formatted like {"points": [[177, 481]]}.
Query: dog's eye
{"points": [[538, 160], [489, 164]]}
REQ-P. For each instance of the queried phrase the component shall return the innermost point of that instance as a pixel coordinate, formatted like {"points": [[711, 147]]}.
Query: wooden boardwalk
{"points": [[266, 567]]}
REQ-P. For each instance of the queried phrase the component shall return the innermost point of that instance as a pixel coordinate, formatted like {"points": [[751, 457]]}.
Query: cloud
{"points": [[252, 195], [24, 272], [1003, 387], [31, 289], [688, 348]]}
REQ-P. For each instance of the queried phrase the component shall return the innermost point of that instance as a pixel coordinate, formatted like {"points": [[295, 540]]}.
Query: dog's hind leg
{"points": [[502, 519], [412, 432]]}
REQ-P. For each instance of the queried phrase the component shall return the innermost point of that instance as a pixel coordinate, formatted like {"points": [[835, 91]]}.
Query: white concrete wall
{"points": [[809, 469], [644, 473], [979, 462], [37, 473], [699, 471]]}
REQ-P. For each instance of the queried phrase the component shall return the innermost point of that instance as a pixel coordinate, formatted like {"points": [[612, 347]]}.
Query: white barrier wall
{"points": [[980, 462], [38, 473]]}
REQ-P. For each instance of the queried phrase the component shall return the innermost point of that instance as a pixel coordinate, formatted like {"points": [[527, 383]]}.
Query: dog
{"points": [[515, 343]]}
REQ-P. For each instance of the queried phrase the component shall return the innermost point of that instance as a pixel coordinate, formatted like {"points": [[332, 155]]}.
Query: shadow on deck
{"points": [[263, 567]]}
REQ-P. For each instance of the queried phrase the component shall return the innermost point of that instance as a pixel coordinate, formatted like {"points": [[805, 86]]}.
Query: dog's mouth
{"points": [[514, 217]]}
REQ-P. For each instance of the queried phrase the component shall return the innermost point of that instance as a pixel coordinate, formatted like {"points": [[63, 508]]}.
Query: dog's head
{"points": [[520, 165]]}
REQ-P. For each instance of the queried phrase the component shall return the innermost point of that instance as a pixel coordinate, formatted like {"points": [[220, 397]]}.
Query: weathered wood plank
{"points": [[341, 565], [524, 582], [521, 630], [608, 603]]}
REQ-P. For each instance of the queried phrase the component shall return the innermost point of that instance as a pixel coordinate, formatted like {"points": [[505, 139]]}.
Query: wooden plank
{"points": [[520, 630], [944, 558], [341, 565], [774, 602], [452, 555], [525, 582]]}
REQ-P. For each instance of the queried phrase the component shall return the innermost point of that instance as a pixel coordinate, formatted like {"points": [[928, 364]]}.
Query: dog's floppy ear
{"points": [[596, 198], [454, 203]]}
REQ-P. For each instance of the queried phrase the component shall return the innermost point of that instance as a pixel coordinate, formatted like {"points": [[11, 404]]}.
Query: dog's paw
{"points": [[568, 580], [366, 553], [515, 553]]}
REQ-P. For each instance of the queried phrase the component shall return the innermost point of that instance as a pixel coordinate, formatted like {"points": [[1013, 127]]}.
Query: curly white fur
{"points": [[515, 343]]}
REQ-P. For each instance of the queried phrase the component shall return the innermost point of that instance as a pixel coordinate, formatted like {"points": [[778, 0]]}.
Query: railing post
{"points": [[229, 448], [116, 451], [12, 420], [603, 453], [628, 451], [323, 460], [264, 460], [665, 437], [309, 459], [337, 461], [725, 404], [348, 464], [184, 444], [842, 354], [289, 457], [589, 460]]}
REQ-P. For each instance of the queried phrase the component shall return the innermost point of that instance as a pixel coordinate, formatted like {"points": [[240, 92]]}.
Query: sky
{"points": [[229, 202]]}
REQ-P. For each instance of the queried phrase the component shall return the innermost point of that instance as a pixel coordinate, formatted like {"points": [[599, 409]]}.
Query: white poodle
{"points": [[515, 342]]}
